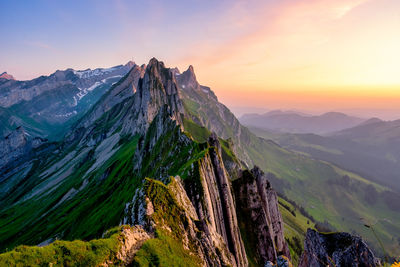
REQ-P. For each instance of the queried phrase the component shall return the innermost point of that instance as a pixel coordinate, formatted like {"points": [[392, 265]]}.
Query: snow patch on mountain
{"points": [[85, 91], [84, 74]]}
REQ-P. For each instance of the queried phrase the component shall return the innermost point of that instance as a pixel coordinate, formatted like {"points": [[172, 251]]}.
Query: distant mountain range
{"points": [[55, 101], [371, 149], [297, 122]]}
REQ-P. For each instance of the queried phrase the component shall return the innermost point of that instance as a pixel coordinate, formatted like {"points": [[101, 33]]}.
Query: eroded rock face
{"points": [[213, 200], [134, 237], [259, 216], [16, 145], [196, 237], [14, 92], [338, 249], [133, 104]]}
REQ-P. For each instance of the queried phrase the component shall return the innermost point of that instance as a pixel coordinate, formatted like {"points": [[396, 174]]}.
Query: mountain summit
{"points": [[6, 76]]}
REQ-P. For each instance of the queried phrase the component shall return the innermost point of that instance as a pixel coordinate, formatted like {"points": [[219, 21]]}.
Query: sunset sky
{"points": [[317, 55]]}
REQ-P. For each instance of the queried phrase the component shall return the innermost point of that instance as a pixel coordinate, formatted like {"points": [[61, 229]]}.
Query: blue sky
{"points": [[305, 54], [41, 36]]}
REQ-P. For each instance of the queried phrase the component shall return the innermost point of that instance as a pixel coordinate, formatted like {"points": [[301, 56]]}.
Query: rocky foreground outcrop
{"points": [[336, 249], [259, 216]]}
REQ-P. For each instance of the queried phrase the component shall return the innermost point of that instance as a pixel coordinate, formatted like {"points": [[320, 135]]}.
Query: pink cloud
{"points": [[266, 24]]}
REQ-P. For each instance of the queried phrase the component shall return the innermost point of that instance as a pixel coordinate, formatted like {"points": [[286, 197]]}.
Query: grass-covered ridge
{"points": [[164, 251], [67, 253]]}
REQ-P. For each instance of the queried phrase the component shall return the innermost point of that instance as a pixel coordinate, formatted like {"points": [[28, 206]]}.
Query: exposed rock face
{"points": [[134, 107], [157, 89], [259, 216], [196, 236], [216, 117], [124, 89], [14, 92], [338, 249], [214, 203], [133, 239], [48, 105], [16, 145]]}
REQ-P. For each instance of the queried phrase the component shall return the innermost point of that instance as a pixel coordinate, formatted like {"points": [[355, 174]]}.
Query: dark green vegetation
{"points": [[164, 250], [76, 204], [296, 225], [66, 253]]}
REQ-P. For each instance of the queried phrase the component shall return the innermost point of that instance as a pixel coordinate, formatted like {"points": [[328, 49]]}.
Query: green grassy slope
{"points": [[371, 150], [66, 253]]}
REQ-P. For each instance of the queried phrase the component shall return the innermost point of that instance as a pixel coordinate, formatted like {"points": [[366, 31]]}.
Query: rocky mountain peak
{"points": [[130, 64], [6, 76], [339, 249], [158, 88], [188, 79]]}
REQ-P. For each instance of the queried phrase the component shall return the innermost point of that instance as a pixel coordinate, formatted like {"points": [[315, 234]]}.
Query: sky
{"points": [[309, 55]]}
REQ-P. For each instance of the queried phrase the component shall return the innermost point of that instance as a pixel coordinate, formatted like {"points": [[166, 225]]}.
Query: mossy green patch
{"points": [[67, 253], [164, 250]]}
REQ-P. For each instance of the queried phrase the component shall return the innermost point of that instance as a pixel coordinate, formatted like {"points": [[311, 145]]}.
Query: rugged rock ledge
{"points": [[259, 216], [337, 249]]}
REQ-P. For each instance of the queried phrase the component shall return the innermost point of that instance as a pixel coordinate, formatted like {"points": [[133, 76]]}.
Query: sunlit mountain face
{"points": [[200, 133]]}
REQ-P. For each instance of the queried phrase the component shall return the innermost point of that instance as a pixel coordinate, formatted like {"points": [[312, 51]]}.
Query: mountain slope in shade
{"points": [[47, 105], [294, 122], [6, 76]]}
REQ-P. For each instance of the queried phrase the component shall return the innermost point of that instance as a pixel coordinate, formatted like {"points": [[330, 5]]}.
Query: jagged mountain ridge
{"points": [[102, 165], [47, 105]]}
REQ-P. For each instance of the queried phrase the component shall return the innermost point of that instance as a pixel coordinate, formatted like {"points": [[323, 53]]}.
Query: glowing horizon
{"points": [[310, 55]]}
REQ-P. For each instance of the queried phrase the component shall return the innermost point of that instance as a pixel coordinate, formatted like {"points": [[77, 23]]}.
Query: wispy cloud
{"points": [[266, 24]]}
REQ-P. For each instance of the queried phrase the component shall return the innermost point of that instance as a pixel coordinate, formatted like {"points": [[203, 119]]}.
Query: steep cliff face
{"points": [[132, 105], [203, 108], [207, 198], [211, 194], [336, 249], [167, 210], [259, 217]]}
